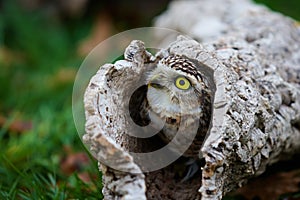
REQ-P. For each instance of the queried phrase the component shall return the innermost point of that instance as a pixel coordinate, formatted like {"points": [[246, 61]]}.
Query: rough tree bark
{"points": [[253, 56]]}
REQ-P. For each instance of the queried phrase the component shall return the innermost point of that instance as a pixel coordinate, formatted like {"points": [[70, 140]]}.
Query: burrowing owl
{"points": [[180, 95]]}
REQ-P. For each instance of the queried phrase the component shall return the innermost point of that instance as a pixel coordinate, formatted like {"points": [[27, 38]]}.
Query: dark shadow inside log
{"points": [[165, 183]]}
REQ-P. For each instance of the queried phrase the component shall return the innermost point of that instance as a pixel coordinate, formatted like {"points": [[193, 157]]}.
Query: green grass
{"points": [[38, 63], [290, 7]]}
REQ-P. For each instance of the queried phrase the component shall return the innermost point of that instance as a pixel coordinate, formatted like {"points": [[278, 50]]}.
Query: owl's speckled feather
{"points": [[186, 112]]}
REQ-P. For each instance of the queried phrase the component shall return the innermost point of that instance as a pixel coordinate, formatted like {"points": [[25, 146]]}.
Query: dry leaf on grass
{"points": [[72, 161], [16, 126], [75, 162]]}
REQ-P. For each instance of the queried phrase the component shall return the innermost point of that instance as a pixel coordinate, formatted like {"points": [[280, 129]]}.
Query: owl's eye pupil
{"points": [[182, 83]]}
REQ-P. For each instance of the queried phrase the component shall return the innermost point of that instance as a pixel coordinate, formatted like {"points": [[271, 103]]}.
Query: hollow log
{"points": [[252, 57]]}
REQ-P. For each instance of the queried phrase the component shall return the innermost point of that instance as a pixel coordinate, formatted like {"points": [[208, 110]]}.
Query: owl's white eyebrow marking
{"points": [[179, 63]]}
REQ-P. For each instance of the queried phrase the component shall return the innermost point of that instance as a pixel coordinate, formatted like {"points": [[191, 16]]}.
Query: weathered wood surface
{"points": [[254, 55]]}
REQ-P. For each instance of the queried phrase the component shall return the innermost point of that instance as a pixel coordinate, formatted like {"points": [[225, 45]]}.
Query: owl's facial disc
{"points": [[172, 95], [160, 100]]}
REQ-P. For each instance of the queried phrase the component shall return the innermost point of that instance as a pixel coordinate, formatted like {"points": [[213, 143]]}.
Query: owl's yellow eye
{"points": [[182, 83]]}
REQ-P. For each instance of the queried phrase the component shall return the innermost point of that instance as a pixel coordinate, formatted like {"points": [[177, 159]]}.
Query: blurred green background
{"points": [[42, 44]]}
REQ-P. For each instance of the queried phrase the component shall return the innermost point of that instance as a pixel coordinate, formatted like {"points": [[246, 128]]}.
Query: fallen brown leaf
{"points": [[85, 177], [17, 126], [72, 162]]}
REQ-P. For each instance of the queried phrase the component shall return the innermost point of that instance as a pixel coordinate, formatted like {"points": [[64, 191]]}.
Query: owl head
{"points": [[176, 87]]}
